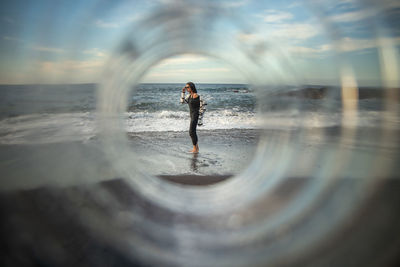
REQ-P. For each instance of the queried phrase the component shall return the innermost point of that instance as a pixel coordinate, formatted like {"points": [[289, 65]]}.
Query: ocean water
{"points": [[49, 133], [36, 114], [56, 113], [156, 107]]}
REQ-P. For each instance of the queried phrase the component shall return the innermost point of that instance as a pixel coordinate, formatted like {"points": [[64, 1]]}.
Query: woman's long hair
{"points": [[192, 87]]}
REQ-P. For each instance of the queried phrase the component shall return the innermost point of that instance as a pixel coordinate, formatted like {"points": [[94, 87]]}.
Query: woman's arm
{"points": [[202, 105], [182, 100], [201, 111]]}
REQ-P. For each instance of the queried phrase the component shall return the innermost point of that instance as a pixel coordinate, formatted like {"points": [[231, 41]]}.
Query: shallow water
{"points": [[48, 133]]}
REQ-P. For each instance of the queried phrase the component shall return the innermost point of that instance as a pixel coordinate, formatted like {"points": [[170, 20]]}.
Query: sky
{"points": [[53, 41]]}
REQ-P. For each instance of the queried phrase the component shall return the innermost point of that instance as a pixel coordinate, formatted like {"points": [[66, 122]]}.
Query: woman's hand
{"points": [[183, 89]]}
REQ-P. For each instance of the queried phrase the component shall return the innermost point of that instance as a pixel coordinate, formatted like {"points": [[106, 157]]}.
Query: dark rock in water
{"points": [[311, 93], [392, 94], [368, 93], [363, 93]]}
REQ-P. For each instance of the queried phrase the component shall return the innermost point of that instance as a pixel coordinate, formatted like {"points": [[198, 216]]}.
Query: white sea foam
{"points": [[47, 128], [67, 127], [179, 121]]}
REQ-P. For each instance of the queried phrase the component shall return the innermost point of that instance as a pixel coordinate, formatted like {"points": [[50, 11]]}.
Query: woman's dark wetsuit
{"points": [[194, 105]]}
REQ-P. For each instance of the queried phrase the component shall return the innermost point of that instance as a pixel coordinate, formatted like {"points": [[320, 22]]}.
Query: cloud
{"points": [[293, 31], [166, 2], [235, 4], [180, 71], [186, 65], [224, 4], [70, 65], [134, 17], [217, 74], [348, 44], [382, 3], [66, 71], [282, 34], [282, 37], [48, 49], [295, 4], [275, 16], [192, 67], [359, 10], [102, 24], [36, 47], [353, 15], [95, 52], [119, 22], [278, 25], [310, 51], [182, 60], [10, 38]]}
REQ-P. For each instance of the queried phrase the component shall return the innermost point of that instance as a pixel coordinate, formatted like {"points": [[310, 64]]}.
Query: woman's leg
{"points": [[193, 134]]}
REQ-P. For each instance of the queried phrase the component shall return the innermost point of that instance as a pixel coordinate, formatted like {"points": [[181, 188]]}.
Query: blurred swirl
{"points": [[232, 223], [295, 204]]}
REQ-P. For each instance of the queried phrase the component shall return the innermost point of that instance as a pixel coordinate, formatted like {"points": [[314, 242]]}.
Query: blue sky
{"points": [[71, 41]]}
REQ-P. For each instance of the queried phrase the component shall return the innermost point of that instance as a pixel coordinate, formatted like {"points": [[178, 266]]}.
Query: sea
{"points": [[32, 114], [56, 113], [49, 133]]}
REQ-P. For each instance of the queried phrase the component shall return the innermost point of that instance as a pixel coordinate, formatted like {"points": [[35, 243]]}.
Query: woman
{"points": [[194, 105]]}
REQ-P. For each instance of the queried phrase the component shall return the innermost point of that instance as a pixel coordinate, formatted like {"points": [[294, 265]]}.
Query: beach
{"points": [[49, 135], [222, 154], [66, 202]]}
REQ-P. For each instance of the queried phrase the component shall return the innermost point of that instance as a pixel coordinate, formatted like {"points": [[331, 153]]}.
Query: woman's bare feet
{"points": [[195, 149]]}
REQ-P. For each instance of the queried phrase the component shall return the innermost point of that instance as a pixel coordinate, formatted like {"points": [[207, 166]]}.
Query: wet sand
{"points": [[195, 179], [222, 154], [62, 205]]}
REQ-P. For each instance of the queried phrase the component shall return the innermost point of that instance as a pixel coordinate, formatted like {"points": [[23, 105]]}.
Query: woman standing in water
{"points": [[194, 105]]}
